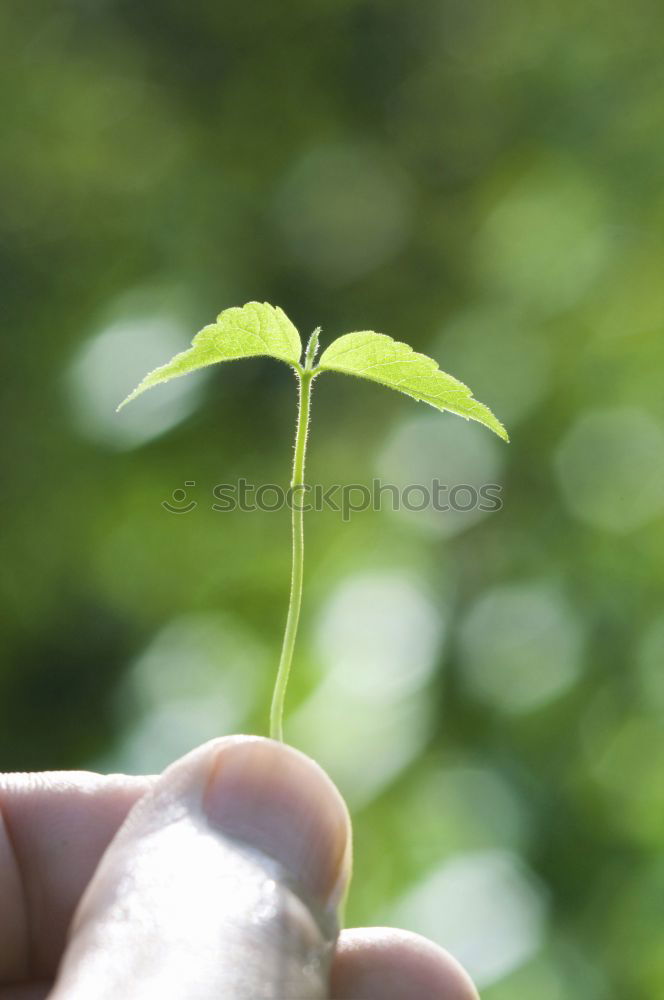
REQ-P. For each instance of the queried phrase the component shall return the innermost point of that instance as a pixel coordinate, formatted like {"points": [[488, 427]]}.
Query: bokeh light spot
{"points": [[380, 636], [342, 211], [426, 447], [111, 363], [463, 807], [484, 907], [627, 761], [197, 679], [499, 353], [610, 469], [521, 646], [650, 666], [545, 241]]}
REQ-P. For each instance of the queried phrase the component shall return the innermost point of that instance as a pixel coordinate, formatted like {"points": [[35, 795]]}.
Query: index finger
{"points": [[54, 828]]}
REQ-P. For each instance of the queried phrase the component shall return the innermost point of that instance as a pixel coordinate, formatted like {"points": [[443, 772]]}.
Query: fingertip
{"points": [[267, 796], [381, 963], [276, 799]]}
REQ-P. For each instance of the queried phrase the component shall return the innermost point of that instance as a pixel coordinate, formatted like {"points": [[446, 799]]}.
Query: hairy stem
{"points": [[305, 377]]}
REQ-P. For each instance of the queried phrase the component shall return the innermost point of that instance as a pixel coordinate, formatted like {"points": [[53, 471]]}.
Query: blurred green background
{"points": [[483, 180]]}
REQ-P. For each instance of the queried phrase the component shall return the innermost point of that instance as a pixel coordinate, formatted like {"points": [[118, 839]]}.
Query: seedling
{"points": [[258, 328]]}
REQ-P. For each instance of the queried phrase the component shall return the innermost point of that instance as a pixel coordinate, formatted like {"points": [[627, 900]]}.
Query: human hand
{"points": [[223, 881]]}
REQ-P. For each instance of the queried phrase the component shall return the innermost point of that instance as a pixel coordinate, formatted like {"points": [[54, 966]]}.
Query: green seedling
{"points": [[258, 328]]}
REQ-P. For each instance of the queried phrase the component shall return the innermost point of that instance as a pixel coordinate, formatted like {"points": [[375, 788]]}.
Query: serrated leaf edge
{"points": [[493, 423]]}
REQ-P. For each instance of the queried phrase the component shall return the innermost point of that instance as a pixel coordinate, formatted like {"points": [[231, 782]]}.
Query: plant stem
{"points": [[305, 377]]}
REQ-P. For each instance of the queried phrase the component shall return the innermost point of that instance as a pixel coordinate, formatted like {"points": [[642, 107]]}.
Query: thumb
{"points": [[223, 881]]}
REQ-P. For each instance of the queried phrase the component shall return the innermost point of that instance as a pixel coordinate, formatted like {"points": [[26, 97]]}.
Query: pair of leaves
{"points": [[261, 329]]}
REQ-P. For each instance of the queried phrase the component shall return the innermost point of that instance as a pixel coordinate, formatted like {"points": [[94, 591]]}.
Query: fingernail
{"points": [[275, 799]]}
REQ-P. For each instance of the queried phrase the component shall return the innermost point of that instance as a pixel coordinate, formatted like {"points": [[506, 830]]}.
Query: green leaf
{"points": [[248, 331], [377, 357]]}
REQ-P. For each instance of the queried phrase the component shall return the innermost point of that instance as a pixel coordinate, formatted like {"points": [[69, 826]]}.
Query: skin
{"points": [[155, 887]]}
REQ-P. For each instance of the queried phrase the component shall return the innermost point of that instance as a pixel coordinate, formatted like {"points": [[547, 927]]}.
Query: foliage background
{"points": [[482, 180]]}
